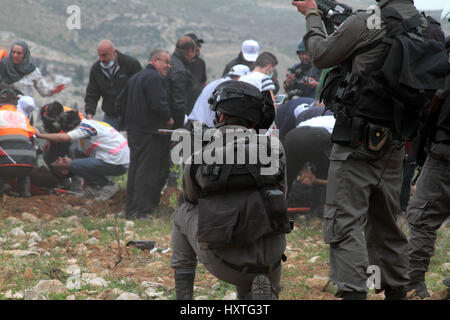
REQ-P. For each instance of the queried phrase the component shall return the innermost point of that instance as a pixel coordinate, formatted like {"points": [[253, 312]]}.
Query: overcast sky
{"points": [[431, 4]]}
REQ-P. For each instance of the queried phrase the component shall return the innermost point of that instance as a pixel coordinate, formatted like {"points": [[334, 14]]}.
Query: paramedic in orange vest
{"points": [[17, 153]]}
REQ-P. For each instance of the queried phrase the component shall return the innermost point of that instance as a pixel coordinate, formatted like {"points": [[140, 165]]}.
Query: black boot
{"points": [[395, 294], [354, 296], [184, 284], [420, 287]]}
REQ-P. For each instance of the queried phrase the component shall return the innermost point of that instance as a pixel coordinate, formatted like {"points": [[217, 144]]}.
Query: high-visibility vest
{"points": [[67, 109], [3, 54], [15, 134]]}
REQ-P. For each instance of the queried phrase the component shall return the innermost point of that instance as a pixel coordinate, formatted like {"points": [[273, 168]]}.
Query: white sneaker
{"points": [[107, 192], [90, 192]]}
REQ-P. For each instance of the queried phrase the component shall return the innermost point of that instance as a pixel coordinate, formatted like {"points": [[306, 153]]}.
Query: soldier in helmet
{"points": [[303, 76], [234, 217]]}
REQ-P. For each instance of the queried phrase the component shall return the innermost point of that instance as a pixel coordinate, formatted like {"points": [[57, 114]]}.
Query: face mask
{"points": [[110, 65]]}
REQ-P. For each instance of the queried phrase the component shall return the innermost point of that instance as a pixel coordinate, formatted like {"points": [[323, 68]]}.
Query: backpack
{"points": [[397, 90], [237, 205]]}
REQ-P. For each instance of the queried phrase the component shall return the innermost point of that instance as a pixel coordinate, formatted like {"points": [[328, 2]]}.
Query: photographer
{"points": [[366, 161], [303, 77]]}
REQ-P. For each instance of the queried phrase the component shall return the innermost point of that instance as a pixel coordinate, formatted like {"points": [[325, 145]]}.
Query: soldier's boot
{"points": [[23, 186], [395, 294], [446, 282], [354, 296], [261, 288], [184, 284], [420, 287]]}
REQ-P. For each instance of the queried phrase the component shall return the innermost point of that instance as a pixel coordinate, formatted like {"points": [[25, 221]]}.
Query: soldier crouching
{"points": [[234, 217]]}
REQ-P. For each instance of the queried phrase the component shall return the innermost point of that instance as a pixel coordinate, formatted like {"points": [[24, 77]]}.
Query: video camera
{"points": [[334, 13]]}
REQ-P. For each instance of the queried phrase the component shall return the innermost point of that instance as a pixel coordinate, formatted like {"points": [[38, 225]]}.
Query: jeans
{"points": [[95, 171]]}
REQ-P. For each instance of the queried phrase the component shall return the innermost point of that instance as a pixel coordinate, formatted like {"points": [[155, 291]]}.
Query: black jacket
{"points": [[238, 60], [143, 102], [100, 85], [179, 80]]}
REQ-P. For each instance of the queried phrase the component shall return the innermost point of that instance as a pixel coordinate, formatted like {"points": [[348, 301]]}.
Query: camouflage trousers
{"points": [[360, 224], [428, 209]]}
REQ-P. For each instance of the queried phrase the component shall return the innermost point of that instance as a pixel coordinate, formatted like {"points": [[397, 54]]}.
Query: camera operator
{"points": [[366, 161], [303, 77]]}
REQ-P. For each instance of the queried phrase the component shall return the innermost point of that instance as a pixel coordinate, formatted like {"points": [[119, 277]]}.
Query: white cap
{"points": [[299, 109], [445, 17], [239, 70], [26, 105], [250, 50]]}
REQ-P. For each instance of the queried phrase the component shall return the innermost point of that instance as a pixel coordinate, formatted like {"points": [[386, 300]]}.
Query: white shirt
{"points": [[101, 141], [31, 81], [202, 111], [326, 122], [259, 80]]}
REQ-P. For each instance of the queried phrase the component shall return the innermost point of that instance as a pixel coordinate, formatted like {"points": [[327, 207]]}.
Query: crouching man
{"points": [[106, 150], [234, 217], [17, 153]]}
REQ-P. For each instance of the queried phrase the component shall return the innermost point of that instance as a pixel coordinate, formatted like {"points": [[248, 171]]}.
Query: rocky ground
{"points": [[65, 248]]}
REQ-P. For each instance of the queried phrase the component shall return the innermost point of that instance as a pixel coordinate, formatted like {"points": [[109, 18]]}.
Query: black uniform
{"points": [[145, 111]]}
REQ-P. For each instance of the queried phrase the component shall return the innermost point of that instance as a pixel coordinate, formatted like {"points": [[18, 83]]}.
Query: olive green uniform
{"points": [[364, 186], [227, 264]]}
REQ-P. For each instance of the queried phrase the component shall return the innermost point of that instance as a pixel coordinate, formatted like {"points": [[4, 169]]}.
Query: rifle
{"points": [[426, 135]]}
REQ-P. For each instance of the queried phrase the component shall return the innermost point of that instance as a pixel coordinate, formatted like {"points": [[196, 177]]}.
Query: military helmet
{"points": [[243, 100], [301, 47]]}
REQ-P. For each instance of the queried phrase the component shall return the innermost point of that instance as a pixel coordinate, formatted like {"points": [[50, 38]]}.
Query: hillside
{"points": [[139, 26]]}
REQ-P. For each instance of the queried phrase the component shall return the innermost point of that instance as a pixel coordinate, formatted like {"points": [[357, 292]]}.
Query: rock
{"points": [[81, 231], [20, 253], [35, 237], [97, 283], [73, 270], [72, 297], [8, 294], [446, 267], [318, 283], [72, 261], [81, 250], [314, 259], [13, 221], [29, 217], [230, 296], [53, 239], [148, 284], [94, 263], [84, 211], [28, 274], [201, 298], [17, 232], [73, 221], [50, 286], [152, 293], [117, 292], [31, 294], [68, 207], [110, 229], [128, 296], [18, 295], [441, 295], [94, 233], [108, 294], [129, 225], [73, 282], [93, 241]]}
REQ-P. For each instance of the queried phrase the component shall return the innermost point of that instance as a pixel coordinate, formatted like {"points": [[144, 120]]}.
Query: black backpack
{"points": [[396, 91]]}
